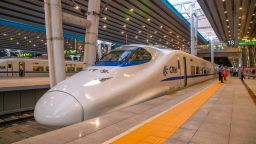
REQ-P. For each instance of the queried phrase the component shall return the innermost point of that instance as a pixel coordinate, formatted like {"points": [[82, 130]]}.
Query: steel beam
{"points": [[75, 20]]}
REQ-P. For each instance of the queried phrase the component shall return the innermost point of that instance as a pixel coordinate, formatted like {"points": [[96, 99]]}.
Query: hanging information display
{"points": [[248, 42]]}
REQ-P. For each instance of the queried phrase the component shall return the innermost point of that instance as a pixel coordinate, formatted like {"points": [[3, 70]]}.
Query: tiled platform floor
{"points": [[228, 117], [20, 131]]}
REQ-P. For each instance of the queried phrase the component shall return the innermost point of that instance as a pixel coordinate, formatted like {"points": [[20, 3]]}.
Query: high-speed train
{"points": [[10, 67], [126, 76]]}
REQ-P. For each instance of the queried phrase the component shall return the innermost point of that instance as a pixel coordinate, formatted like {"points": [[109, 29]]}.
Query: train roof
{"points": [[135, 46], [27, 59]]}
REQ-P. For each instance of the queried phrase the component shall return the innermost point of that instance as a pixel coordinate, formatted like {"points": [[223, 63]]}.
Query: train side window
{"points": [[197, 70], [178, 64], [70, 69], [47, 68], [38, 68], [9, 65], [193, 70], [79, 68]]}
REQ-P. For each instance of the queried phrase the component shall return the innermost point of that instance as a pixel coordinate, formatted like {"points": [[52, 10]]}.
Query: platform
{"points": [[21, 93], [23, 83], [227, 115]]}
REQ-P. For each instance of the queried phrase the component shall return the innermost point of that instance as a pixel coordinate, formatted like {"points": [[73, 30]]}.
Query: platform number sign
{"points": [[231, 43]]}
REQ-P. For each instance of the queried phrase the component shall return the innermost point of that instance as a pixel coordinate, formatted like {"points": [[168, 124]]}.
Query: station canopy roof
{"points": [[231, 19], [121, 22]]}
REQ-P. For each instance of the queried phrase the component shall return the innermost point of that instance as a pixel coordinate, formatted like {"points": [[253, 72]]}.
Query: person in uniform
{"points": [[219, 69]]}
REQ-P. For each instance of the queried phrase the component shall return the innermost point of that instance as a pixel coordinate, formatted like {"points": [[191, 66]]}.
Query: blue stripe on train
{"points": [[40, 72], [182, 77], [120, 64]]}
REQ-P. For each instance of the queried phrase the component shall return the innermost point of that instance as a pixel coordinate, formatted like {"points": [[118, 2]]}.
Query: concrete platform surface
{"points": [[228, 117], [23, 83]]}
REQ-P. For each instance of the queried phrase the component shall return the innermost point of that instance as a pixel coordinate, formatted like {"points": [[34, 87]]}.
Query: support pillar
{"points": [[196, 40], [92, 32], [212, 50], [244, 57], [251, 56], [55, 43], [192, 29]]}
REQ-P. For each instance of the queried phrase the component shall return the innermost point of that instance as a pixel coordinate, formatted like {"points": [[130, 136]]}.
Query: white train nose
{"points": [[57, 108]]}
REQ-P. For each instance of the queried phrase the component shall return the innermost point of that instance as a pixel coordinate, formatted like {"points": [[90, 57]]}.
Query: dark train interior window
{"points": [[193, 70], [38, 68], [70, 69], [79, 68]]}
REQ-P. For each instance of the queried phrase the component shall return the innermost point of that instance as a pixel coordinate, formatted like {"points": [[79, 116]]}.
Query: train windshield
{"points": [[116, 56], [122, 55]]}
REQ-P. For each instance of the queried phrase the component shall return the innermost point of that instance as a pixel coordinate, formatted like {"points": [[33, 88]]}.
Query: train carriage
{"points": [[128, 75], [11, 67]]}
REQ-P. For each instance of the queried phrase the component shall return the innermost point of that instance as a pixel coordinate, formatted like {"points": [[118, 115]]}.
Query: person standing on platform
{"points": [[224, 73], [243, 72], [219, 69]]}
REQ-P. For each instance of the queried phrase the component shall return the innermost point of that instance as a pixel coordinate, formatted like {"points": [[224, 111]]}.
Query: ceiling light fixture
{"points": [[77, 7]]}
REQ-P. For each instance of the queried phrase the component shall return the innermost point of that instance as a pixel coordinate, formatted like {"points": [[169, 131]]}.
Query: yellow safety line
{"points": [[162, 127]]}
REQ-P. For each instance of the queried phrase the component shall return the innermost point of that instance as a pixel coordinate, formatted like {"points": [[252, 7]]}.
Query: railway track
{"points": [[16, 117]]}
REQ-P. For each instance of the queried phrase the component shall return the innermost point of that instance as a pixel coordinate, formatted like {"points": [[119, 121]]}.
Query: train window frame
{"points": [[117, 59]]}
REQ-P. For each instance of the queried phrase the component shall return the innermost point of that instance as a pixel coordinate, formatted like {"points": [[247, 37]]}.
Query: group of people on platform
{"points": [[236, 72]]}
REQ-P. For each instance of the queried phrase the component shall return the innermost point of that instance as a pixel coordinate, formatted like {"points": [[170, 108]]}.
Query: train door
{"points": [[9, 70], [179, 72], [21, 69], [185, 71]]}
